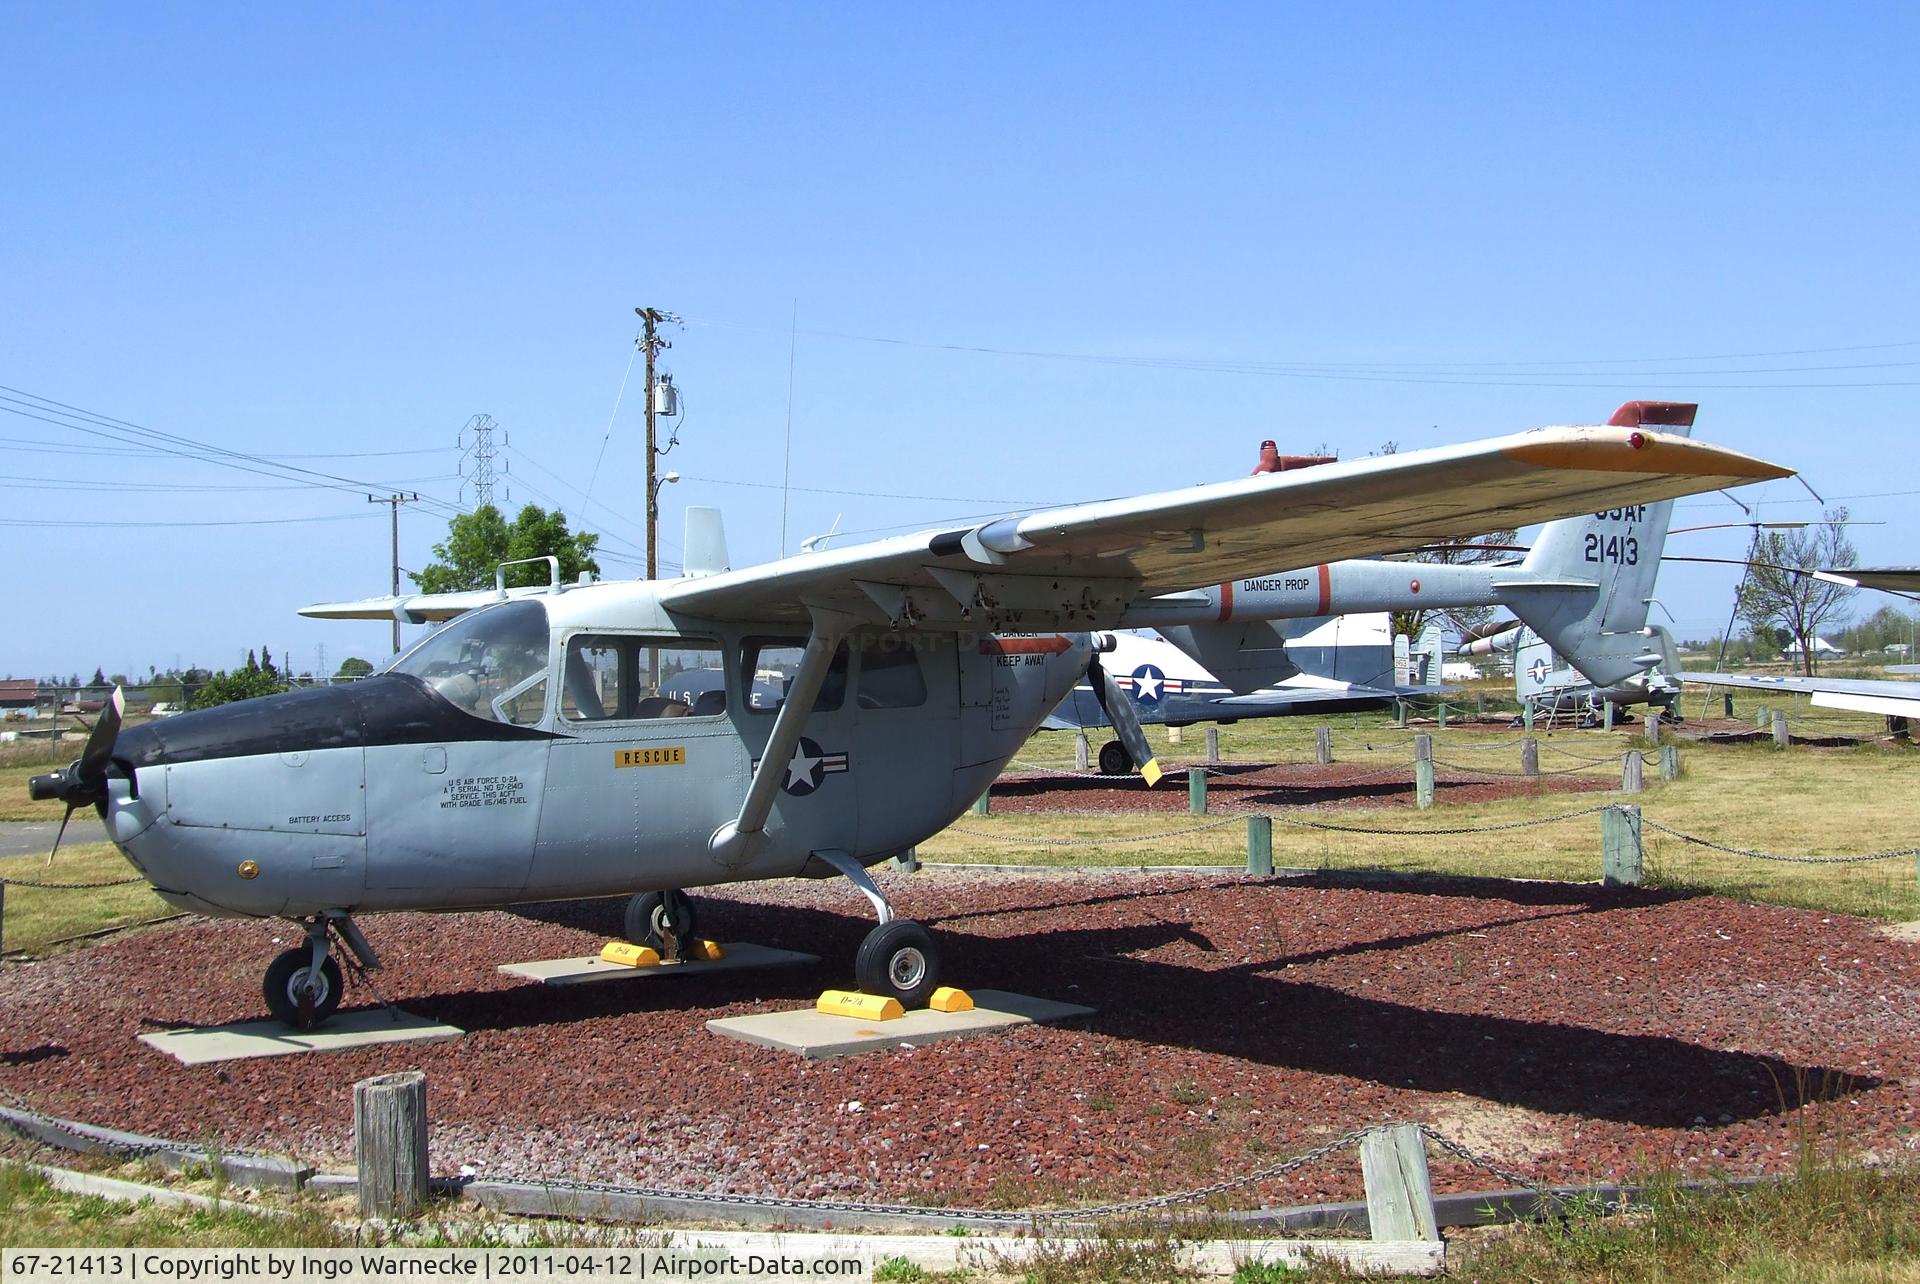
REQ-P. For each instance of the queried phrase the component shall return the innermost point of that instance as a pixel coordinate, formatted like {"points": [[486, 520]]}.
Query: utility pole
{"points": [[652, 344], [394, 501]]}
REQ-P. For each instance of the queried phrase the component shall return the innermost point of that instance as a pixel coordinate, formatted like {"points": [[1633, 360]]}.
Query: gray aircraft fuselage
{"points": [[394, 793]]}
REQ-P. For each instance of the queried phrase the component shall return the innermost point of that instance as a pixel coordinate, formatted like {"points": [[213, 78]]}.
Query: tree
{"points": [[479, 541], [1472, 551], [241, 684], [352, 668], [1780, 590]]}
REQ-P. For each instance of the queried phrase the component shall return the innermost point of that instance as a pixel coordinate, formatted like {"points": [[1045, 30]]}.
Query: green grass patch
{"points": [[36, 918]]}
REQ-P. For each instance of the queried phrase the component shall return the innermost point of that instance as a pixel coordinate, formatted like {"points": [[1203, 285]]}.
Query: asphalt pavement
{"points": [[25, 837]]}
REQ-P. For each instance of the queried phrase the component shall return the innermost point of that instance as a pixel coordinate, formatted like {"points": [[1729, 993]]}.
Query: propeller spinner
{"points": [[83, 782]]}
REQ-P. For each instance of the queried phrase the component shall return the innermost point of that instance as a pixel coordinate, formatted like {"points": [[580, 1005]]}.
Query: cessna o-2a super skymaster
{"points": [[534, 749]]}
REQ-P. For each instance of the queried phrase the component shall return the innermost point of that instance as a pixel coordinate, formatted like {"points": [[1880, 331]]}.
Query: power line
{"points": [[253, 521], [875, 494], [1459, 374]]}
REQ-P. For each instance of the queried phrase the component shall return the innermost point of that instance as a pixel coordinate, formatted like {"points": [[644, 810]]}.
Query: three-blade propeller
{"points": [[83, 782], [1120, 714]]}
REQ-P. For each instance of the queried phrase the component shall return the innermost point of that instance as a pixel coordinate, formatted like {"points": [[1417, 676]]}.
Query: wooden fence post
{"points": [[1652, 725], [1393, 1163], [1423, 748], [1762, 718], [1197, 790], [1399, 713], [1526, 715], [1175, 735], [1260, 844], [1323, 745], [1606, 715], [1213, 744], [983, 805], [390, 1143], [1622, 860], [1423, 783], [1669, 762], [908, 861], [1632, 772], [1529, 757], [1082, 752], [1440, 714], [1780, 737], [1726, 704]]}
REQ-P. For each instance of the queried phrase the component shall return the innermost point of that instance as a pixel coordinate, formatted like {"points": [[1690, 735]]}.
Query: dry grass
{"points": [[1802, 801]]}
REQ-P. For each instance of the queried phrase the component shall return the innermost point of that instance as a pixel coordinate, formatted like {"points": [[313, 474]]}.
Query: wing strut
{"points": [[736, 841]]}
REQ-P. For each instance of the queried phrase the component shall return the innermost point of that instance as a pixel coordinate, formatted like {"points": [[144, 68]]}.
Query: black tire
{"points": [[650, 914], [287, 974], [1114, 759], [898, 958]]}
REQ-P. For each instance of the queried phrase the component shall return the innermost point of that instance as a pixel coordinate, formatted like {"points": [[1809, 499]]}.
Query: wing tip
{"points": [[1640, 451]]}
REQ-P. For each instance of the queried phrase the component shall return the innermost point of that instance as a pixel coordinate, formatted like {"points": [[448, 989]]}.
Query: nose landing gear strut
{"points": [[303, 986]]}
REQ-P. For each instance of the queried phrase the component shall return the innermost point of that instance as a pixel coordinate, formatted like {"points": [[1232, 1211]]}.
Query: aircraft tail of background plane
{"points": [[1603, 634]]}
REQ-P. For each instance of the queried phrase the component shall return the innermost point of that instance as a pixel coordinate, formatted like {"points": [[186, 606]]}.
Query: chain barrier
{"points": [[1596, 762], [68, 887], [1495, 771], [1433, 833], [1891, 854], [1017, 841]]}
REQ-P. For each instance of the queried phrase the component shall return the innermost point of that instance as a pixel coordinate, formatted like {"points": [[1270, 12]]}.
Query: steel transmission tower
{"points": [[476, 463]]}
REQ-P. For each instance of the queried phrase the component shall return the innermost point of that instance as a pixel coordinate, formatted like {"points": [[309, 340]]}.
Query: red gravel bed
{"points": [[1234, 787], [1571, 1032]]}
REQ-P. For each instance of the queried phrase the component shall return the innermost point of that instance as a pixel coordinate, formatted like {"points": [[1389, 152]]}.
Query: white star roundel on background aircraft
{"points": [[1148, 680], [1537, 670]]}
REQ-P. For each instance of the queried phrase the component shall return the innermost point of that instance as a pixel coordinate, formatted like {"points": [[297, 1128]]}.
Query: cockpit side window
{"points": [[767, 666], [890, 676], [624, 677], [491, 663]]}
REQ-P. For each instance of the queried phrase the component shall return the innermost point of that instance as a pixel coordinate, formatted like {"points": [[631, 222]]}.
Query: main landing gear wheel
{"points": [[1114, 760], [898, 958], [652, 915], [286, 984]]}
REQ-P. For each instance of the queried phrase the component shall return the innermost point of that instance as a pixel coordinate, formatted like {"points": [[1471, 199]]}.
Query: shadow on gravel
{"points": [[1245, 1010], [30, 1056]]}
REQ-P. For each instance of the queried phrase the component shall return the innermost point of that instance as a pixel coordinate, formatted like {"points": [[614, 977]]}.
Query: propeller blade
{"points": [[106, 729], [1126, 723], [60, 833]]}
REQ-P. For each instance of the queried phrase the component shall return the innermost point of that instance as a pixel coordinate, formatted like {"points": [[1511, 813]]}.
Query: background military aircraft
{"points": [[535, 747]]}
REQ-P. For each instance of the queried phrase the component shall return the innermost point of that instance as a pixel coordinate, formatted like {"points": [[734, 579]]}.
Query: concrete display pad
{"points": [[815, 1035], [592, 968], [360, 1028]]}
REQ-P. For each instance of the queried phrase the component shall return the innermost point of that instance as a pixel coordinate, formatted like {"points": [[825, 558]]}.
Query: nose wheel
{"points": [[298, 994]]}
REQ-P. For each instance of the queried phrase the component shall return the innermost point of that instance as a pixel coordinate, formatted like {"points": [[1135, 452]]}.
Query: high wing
{"points": [[1904, 580], [1079, 566], [1863, 695]]}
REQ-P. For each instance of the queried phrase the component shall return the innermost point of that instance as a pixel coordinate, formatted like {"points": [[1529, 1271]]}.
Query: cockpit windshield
{"points": [[491, 662]]}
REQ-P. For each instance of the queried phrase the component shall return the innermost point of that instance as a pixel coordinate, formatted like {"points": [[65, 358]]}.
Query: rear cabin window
{"points": [[767, 666], [890, 676], [613, 677]]}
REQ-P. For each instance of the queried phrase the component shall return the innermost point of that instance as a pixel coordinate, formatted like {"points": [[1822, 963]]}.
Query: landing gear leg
{"points": [[898, 958]]}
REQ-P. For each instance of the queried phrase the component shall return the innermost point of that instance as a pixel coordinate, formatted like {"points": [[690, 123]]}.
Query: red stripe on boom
{"points": [[1226, 601], [1024, 646], [1326, 588]]}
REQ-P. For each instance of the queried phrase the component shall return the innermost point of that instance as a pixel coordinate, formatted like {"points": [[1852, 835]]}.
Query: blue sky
{"points": [[304, 230]]}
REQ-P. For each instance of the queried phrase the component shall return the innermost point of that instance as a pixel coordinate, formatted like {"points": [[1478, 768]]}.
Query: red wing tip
{"points": [[1642, 414]]}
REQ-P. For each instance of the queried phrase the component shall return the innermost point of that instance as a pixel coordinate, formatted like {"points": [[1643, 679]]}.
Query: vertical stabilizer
{"points": [[1601, 634]]}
